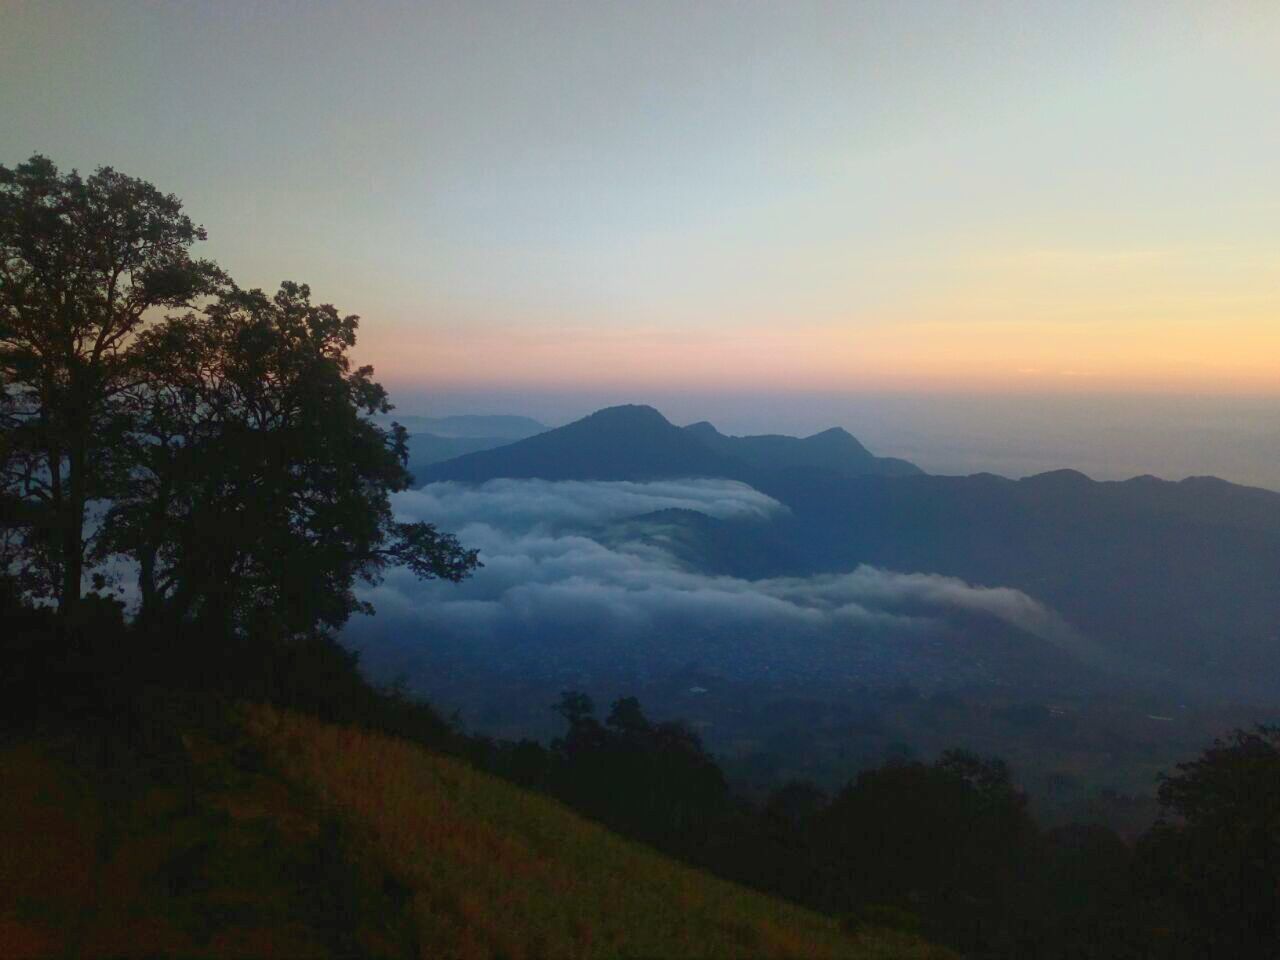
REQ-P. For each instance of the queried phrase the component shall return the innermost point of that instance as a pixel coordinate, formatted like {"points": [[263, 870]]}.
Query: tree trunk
{"points": [[148, 552], [147, 584], [73, 531]]}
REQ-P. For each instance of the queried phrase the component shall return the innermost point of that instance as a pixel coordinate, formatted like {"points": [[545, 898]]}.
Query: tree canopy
{"points": [[217, 438], [83, 263], [1215, 856]]}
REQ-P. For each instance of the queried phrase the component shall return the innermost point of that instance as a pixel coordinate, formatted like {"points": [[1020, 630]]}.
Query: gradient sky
{"points": [[709, 196]]}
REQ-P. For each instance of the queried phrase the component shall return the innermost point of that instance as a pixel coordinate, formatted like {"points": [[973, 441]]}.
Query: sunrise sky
{"points": [[904, 196]]}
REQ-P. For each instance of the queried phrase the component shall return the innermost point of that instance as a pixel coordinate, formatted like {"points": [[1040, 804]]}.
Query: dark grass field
{"points": [[258, 833]]}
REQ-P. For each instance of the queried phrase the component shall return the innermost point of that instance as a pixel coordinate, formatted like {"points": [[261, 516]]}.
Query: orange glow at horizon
{"points": [[1108, 354], [999, 316], [920, 358], [1056, 197]]}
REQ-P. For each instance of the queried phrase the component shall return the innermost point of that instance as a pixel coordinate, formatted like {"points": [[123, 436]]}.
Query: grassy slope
{"points": [[282, 836], [112, 848]]}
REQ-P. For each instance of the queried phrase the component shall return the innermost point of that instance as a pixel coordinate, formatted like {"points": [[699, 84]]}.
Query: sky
{"points": [[788, 204]]}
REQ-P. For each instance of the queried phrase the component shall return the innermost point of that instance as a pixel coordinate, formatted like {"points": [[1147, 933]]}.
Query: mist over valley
{"points": [[750, 584]]}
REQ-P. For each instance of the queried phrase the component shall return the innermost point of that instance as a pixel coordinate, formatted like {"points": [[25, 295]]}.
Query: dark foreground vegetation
{"points": [[208, 454], [191, 827], [944, 849], [948, 847]]}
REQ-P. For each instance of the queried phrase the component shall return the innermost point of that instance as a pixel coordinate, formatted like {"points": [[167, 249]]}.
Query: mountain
{"points": [[1177, 580], [1180, 575], [428, 448], [1170, 581], [617, 443], [505, 427], [831, 451], [638, 443]]}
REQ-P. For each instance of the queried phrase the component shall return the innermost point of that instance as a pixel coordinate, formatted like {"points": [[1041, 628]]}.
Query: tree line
{"points": [[947, 848]]}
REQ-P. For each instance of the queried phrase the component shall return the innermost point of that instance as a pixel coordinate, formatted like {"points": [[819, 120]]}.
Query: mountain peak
{"points": [[838, 438], [703, 429], [627, 442], [1061, 479], [635, 441], [627, 414], [832, 432]]}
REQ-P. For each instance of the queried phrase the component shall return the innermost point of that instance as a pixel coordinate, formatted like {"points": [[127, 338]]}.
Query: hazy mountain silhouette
{"points": [[635, 442], [502, 426], [428, 448], [1181, 575], [617, 443], [834, 451]]}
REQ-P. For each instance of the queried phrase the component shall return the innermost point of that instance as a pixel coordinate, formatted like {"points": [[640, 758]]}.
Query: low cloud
{"points": [[551, 504], [557, 594], [883, 589]]}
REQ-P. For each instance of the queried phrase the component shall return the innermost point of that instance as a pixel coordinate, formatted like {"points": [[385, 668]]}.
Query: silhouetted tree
{"points": [[577, 709], [1214, 859], [628, 719], [948, 840], [230, 451], [650, 780], [260, 484], [83, 263]]}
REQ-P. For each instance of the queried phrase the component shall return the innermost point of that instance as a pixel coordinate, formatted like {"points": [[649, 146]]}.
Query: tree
{"points": [[260, 488], [649, 780], [950, 840], [83, 262], [229, 451], [1214, 858]]}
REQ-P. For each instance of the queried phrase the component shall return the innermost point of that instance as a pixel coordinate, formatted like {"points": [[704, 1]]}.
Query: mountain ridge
{"points": [[833, 450], [1176, 573], [503, 426], [636, 442]]}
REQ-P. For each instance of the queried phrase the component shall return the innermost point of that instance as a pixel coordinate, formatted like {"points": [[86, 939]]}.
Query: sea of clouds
{"points": [[558, 589]]}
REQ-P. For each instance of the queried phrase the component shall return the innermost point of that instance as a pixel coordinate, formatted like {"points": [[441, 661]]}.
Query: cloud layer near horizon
{"points": [[552, 504], [554, 590]]}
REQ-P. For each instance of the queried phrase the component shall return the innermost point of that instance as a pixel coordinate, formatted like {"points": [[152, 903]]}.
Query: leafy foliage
{"points": [[83, 262], [262, 488], [1213, 862], [651, 780], [230, 451]]}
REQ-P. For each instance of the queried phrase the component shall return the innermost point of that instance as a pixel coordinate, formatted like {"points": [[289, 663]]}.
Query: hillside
{"points": [[636, 442], [277, 835]]}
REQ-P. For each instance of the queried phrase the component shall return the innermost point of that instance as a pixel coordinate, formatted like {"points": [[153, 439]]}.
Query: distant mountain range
{"points": [[428, 448], [638, 443], [503, 427], [1184, 576], [835, 452], [435, 439]]}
